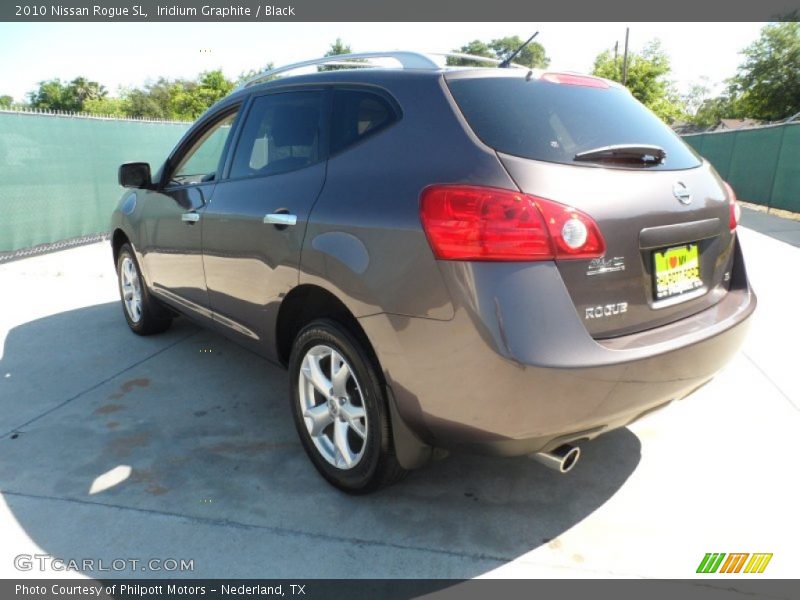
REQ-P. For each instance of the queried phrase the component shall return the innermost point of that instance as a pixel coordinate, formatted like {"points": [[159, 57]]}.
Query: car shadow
{"points": [[188, 425]]}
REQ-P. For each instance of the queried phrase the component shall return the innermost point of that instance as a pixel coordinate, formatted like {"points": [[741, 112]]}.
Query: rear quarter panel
{"points": [[364, 241]]}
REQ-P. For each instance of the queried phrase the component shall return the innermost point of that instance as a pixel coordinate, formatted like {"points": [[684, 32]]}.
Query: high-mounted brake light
{"points": [[466, 222], [735, 211], [570, 79]]}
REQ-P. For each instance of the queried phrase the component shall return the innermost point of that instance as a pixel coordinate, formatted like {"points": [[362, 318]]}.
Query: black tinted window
{"points": [[281, 134], [357, 114], [553, 121]]}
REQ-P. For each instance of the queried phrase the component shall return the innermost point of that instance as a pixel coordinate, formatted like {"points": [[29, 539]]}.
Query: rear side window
{"points": [[281, 134], [358, 114], [554, 121]]}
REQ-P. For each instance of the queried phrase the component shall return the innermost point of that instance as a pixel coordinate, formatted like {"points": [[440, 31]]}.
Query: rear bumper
{"points": [[515, 372]]}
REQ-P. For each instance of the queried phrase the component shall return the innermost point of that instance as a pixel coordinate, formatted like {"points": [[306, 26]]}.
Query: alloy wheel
{"points": [[131, 289], [332, 405]]}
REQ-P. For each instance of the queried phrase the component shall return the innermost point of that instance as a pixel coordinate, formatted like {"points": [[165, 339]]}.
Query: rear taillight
{"points": [[735, 211], [466, 222], [574, 233]]}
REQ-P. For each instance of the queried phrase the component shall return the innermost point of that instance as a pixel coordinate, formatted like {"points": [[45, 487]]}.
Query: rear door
{"points": [[666, 225], [253, 229]]}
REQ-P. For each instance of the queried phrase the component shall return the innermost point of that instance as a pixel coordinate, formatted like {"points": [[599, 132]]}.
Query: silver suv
{"points": [[501, 260]]}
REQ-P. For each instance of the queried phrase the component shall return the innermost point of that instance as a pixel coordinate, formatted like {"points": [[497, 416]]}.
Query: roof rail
{"points": [[475, 58], [406, 60]]}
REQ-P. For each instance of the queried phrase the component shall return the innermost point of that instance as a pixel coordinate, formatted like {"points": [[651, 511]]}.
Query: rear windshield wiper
{"points": [[626, 153]]}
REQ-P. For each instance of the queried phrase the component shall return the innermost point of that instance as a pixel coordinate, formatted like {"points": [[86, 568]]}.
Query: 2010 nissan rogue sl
{"points": [[501, 260]]}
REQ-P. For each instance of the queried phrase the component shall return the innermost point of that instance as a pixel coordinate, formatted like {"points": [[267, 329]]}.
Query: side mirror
{"points": [[135, 175]]}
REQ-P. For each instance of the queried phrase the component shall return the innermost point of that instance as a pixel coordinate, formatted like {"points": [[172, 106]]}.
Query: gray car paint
{"points": [[627, 202], [487, 356]]}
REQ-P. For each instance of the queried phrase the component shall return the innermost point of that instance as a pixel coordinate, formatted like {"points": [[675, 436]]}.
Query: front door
{"points": [[172, 252], [253, 228]]}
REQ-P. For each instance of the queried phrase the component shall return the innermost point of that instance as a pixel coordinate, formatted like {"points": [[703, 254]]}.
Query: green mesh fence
{"points": [[58, 173], [762, 165], [786, 186]]}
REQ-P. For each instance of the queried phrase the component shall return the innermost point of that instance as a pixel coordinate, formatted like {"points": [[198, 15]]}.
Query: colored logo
{"points": [[741, 562]]}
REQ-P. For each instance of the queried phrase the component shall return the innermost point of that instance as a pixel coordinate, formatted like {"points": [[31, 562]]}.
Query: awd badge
{"points": [[602, 265]]}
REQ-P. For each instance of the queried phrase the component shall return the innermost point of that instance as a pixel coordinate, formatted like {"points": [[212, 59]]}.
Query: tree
{"points": [[533, 55], [473, 48], [52, 95], [767, 83], [178, 99], [697, 95], [336, 48], [114, 107], [245, 76], [704, 111], [70, 97], [6, 101], [647, 78], [191, 99], [712, 110], [150, 102], [81, 89], [140, 104]]}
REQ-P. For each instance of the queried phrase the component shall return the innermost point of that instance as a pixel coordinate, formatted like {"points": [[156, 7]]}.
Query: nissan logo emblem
{"points": [[682, 193]]}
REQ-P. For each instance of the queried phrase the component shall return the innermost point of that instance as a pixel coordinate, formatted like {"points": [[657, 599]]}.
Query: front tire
{"points": [[142, 312], [340, 409]]}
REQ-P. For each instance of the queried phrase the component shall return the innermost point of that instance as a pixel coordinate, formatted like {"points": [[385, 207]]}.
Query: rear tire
{"points": [[143, 313], [340, 409]]}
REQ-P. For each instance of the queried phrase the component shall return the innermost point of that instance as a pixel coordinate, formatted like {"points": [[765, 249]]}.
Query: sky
{"points": [[130, 54]]}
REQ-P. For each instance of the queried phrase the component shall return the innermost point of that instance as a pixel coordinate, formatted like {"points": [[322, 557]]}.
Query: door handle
{"points": [[283, 219], [190, 217]]}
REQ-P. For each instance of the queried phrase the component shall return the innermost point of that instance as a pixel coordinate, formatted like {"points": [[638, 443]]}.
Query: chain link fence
{"points": [[762, 164], [58, 174]]}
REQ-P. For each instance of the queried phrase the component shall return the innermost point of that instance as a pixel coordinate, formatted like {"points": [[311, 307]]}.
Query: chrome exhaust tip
{"points": [[562, 459]]}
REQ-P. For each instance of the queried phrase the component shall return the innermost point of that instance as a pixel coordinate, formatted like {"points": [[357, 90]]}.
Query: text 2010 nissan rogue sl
{"points": [[499, 260]]}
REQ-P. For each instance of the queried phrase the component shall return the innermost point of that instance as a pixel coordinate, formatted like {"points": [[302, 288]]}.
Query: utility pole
{"points": [[616, 57], [625, 59]]}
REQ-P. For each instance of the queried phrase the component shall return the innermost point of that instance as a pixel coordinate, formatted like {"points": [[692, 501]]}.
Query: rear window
{"points": [[554, 121]]}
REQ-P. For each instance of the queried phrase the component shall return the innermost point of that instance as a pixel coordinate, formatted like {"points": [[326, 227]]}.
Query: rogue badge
{"points": [[606, 310]]}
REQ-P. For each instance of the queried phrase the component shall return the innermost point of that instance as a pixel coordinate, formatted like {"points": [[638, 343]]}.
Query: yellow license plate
{"points": [[677, 271]]}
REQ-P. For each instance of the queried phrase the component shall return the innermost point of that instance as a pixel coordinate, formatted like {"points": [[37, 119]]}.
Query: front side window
{"points": [[280, 134], [201, 161]]}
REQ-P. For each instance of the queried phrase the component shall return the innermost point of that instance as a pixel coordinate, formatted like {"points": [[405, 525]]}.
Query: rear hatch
{"points": [[664, 218]]}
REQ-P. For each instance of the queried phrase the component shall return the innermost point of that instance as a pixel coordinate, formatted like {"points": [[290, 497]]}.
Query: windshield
{"points": [[555, 122]]}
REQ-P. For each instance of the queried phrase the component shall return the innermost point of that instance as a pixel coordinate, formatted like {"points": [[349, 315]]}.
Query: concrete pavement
{"points": [[783, 229], [181, 446]]}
